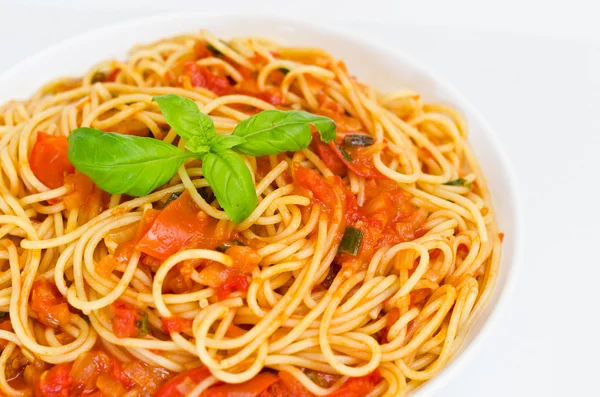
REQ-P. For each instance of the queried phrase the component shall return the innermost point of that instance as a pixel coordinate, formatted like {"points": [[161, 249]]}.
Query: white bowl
{"points": [[373, 63]]}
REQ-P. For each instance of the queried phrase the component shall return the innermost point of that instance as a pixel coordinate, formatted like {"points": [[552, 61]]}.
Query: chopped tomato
{"points": [[329, 156], [419, 295], [176, 324], [145, 377], [235, 281], [245, 259], [361, 162], [252, 388], [223, 279], [501, 236], [288, 386], [86, 369], [313, 181], [51, 307], [182, 384], [386, 218], [201, 50], [125, 320], [270, 95], [56, 382], [343, 123], [358, 387], [49, 161], [180, 225], [200, 76], [84, 196]]}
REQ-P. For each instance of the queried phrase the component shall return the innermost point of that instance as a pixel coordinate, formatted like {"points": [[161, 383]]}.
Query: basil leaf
{"points": [[231, 181], [124, 163], [276, 131], [197, 145], [222, 142], [183, 115]]}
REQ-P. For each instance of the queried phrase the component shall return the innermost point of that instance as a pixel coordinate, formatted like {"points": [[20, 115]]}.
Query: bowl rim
{"points": [[505, 293]]}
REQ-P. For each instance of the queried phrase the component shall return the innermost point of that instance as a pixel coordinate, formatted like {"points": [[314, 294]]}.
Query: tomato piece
{"points": [[176, 324], [313, 181], [125, 319], [200, 76], [235, 281], [56, 382], [358, 387], [360, 164], [329, 156], [50, 306], [180, 225], [144, 377], [270, 95], [183, 383], [245, 259], [252, 388], [49, 161]]}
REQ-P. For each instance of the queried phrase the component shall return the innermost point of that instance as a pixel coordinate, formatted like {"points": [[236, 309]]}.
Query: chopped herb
{"points": [[142, 325], [459, 182], [212, 49], [172, 197], [351, 241], [284, 70], [347, 113], [228, 244], [334, 269], [344, 153], [358, 140]]}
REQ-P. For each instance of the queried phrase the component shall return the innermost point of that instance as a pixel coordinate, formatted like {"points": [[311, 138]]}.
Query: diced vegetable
{"points": [[182, 384], [358, 140], [252, 388], [350, 243], [49, 161], [459, 182], [126, 319], [49, 305]]}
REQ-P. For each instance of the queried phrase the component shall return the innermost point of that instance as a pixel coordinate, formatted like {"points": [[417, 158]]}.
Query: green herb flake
{"points": [[459, 182], [351, 241], [344, 153], [143, 327]]}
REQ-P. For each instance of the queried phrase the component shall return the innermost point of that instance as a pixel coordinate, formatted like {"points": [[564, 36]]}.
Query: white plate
{"points": [[373, 63]]}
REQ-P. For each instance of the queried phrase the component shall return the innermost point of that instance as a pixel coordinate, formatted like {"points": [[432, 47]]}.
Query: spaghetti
{"points": [[359, 272]]}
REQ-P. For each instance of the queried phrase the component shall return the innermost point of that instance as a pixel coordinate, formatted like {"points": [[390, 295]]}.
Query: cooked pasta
{"points": [[357, 270]]}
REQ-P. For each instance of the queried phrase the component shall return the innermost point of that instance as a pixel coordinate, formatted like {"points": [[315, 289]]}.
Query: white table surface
{"points": [[533, 69]]}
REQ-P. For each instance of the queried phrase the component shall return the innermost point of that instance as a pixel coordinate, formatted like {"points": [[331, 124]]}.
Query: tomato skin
{"points": [[125, 318], [181, 224], [252, 388], [56, 382], [313, 181], [329, 156], [50, 306], [200, 76], [49, 161], [236, 281], [193, 376], [358, 387], [245, 259], [361, 164], [176, 324]]}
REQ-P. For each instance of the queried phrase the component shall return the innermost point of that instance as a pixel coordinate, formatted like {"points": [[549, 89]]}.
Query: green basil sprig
{"points": [[136, 166]]}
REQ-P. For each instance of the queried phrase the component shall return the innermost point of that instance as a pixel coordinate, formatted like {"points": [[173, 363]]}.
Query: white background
{"points": [[533, 69]]}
